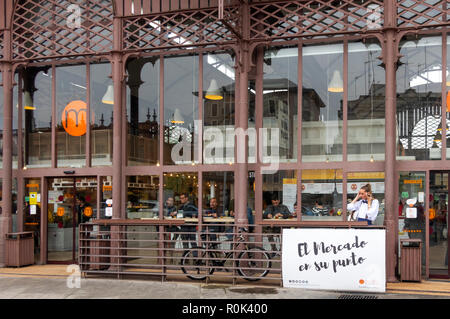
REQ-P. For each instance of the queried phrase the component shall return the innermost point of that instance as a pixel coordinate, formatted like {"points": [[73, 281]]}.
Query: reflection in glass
{"points": [[71, 112], [102, 114], [218, 108], [32, 221], [280, 105], [142, 197], [376, 180], [321, 103], [411, 222], [143, 111], [322, 194], [366, 103], [218, 185], [176, 184], [180, 109], [37, 116], [419, 80]]}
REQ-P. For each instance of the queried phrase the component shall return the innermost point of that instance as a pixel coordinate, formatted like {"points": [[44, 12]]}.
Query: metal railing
{"points": [[179, 250], [174, 249]]}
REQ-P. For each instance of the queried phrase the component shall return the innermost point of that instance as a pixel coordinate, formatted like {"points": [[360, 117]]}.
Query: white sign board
{"points": [[334, 259]]}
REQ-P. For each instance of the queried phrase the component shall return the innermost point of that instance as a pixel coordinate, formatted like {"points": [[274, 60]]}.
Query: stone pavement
{"points": [[52, 282]]}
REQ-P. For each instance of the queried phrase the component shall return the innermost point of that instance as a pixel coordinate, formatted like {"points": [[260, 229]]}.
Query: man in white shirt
{"points": [[364, 205]]}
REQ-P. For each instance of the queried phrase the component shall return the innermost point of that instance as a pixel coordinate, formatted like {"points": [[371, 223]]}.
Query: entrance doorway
{"points": [[71, 201], [438, 224]]}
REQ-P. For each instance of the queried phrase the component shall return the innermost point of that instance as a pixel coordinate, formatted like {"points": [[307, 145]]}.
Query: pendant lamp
{"points": [[177, 117], [108, 98], [336, 84], [28, 101], [213, 92]]}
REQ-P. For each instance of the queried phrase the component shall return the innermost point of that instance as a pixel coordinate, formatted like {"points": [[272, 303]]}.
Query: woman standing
{"points": [[365, 205]]}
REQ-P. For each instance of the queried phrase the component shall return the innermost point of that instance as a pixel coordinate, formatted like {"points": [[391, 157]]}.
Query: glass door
{"points": [[71, 201], [438, 224]]}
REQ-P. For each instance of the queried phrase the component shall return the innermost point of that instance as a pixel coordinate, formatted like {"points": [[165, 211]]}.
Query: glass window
{"points": [[102, 105], [143, 111], [142, 197], [280, 89], [376, 181], [15, 123], [37, 119], [279, 195], [220, 187], [105, 195], [412, 208], [32, 216], [322, 194], [322, 99], [71, 110], [419, 80], [218, 108], [180, 109], [366, 102], [177, 186]]}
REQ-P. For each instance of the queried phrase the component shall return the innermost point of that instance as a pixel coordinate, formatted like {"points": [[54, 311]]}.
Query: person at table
{"points": [[189, 210], [214, 211], [276, 210], [365, 205]]}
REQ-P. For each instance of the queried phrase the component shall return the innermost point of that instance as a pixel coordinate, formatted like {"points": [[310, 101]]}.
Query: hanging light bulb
{"points": [[108, 98], [336, 84], [213, 92], [177, 117], [371, 158], [447, 82], [28, 101]]}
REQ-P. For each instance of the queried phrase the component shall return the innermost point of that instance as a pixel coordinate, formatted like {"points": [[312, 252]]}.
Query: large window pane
{"points": [[280, 105], [142, 197], [447, 85], [322, 194], [1, 121], [412, 194], [180, 109], [279, 195], [322, 103], [71, 111], [218, 108], [37, 119], [366, 103], [419, 80], [102, 99], [143, 111]]}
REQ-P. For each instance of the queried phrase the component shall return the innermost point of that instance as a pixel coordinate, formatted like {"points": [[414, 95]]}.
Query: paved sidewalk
{"points": [[51, 282]]}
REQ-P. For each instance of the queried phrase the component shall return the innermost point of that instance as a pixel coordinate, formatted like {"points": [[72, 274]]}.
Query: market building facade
{"points": [[123, 104]]}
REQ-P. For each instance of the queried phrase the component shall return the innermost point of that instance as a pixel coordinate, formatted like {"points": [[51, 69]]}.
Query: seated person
{"points": [[190, 211], [318, 209], [214, 211], [276, 210]]}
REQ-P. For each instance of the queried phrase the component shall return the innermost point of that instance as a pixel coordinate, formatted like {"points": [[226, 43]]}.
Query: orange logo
{"points": [[354, 187], [74, 118], [88, 211], [60, 211], [361, 281]]}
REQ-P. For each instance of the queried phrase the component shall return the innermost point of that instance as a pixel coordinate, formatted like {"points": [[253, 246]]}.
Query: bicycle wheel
{"points": [[194, 263], [253, 263]]}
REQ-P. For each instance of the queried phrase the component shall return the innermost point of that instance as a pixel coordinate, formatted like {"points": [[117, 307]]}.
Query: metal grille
{"points": [[422, 13], [178, 29], [43, 29], [289, 19]]}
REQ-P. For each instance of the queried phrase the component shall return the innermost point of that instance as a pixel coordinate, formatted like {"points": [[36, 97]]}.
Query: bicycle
{"points": [[252, 264]]}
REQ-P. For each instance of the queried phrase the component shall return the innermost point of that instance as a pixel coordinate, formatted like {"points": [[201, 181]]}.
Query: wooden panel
{"points": [[184, 4], [146, 6], [137, 7], [165, 5]]}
